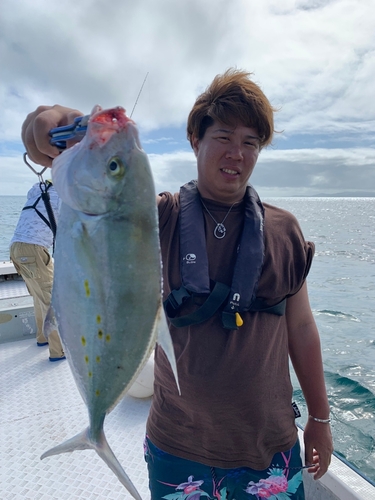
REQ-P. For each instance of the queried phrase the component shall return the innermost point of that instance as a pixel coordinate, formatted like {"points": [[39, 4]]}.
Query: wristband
{"points": [[321, 420]]}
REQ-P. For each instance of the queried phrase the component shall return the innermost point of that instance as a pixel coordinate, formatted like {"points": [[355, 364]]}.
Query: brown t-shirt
{"points": [[235, 404]]}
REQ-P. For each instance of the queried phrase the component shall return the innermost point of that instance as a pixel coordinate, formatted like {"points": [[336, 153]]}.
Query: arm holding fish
{"points": [[305, 353], [35, 131]]}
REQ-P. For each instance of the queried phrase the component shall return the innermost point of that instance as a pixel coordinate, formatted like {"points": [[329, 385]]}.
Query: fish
{"points": [[107, 289]]}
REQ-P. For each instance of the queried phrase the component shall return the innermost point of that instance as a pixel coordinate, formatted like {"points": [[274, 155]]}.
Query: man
{"points": [[29, 252], [236, 297]]}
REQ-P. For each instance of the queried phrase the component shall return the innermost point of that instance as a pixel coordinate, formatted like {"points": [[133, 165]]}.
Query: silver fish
{"points": [[107, 286]]}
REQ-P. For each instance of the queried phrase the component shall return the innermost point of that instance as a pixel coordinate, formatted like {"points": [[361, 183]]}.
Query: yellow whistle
{"points": [[239, 320]]}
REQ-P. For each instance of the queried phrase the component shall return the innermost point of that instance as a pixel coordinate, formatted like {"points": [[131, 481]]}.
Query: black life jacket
{"points": [[241, 295]]}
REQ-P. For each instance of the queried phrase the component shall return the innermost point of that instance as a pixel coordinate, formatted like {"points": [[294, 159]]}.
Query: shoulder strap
{"points": [[193, 254], [51, 221], [250, 256], [47, 203]]}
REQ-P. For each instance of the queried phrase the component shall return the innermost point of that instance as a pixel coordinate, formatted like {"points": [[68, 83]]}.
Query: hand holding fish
{"points": [[36, 127]]}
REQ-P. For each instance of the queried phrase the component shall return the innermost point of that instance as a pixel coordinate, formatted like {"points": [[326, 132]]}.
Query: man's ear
{"points": [[195, 144]]}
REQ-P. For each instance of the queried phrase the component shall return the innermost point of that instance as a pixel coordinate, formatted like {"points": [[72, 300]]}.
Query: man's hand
{"points": [[318, 447], [35, 131]]}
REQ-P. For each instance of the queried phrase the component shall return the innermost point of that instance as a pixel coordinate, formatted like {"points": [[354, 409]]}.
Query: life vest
{"points": [[241, 295]]}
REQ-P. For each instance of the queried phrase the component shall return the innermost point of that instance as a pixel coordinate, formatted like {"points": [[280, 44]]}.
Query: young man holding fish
{"points": [[236, 297]]}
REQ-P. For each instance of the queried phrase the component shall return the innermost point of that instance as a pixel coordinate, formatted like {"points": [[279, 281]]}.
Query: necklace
{"points": [[220, 230]]}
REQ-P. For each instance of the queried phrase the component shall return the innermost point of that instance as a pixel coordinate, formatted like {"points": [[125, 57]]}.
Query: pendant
{"points": [[220, 231]]}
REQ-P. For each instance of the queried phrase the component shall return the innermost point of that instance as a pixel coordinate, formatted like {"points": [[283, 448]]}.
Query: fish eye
{"points": [[115, 166]]}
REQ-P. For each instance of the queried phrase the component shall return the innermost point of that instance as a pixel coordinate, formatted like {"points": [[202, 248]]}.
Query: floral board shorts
{"points": [[174, 478]]}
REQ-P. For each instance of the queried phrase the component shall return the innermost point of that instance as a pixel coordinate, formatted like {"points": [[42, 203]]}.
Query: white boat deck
{"points": [[40, 406]]}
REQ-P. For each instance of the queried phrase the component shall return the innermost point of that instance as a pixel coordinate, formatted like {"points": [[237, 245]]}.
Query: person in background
{"points": [[237, 302], [29, 252]]}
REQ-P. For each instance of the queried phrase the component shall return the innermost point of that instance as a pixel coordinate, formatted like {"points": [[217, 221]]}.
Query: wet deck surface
{"points": [[40, 407]]}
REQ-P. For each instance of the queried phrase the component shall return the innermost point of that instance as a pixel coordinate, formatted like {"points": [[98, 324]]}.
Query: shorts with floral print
{"points": [[174, 478]]}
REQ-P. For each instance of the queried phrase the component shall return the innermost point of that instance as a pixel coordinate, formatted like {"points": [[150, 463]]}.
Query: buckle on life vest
{"points": [[229, 320], [213, 302], [177, 297]]}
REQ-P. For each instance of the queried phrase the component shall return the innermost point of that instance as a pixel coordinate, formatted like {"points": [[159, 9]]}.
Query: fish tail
{"points": [[106, 454], [79, 442], [83, 441]]}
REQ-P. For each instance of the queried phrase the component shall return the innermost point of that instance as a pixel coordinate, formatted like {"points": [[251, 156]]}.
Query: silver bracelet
{"points": [[321, 420]]}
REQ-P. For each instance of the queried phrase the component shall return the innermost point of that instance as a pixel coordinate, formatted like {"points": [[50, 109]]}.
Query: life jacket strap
{"points": [[229, 318], [213, 302], [51, 221], [277, 309]]}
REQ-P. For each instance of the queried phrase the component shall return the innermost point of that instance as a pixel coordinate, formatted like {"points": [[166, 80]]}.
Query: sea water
{"points": [[341, 287]]}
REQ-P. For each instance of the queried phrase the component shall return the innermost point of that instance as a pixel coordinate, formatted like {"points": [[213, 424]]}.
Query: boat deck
{"points": [[41, 407]]}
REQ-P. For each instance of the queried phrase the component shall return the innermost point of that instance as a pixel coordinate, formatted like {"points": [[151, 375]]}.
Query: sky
{"points": [[314, 59]]}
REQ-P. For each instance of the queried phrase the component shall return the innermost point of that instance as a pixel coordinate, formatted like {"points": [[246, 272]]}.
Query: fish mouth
{"points": [[103, 124]]}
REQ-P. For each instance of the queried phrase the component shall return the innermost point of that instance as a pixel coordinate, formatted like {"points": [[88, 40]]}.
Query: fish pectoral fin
{"points": [[82, 441], [165, 342], [50, 322]]}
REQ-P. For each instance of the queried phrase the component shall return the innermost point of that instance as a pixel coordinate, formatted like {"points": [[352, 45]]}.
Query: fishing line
{"points": [[131, 114]]}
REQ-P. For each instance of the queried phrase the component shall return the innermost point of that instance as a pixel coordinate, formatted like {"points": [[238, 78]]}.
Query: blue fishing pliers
{"points": [[75, 130]]}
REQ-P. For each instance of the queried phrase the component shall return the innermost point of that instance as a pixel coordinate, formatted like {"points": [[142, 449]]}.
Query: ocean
{"points": [[342, 295]]}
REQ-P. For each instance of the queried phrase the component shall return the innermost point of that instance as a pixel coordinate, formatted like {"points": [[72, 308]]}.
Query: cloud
{"points": [[172, 170], [313, 58], [316, 171]]}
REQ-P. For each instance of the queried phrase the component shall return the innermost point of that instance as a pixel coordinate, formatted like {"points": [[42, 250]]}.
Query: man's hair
{"points": [[232, 98]]}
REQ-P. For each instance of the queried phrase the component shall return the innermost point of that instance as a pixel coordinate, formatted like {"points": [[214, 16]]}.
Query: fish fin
{"points": [[165, 341], [106, 454], [82, 441], [79, 442], [50, 322]]}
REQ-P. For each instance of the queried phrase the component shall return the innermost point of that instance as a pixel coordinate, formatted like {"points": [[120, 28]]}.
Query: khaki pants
{"points": [[35, 265]]}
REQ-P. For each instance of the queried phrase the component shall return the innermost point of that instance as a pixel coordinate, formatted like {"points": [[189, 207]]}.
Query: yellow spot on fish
{"points": [[97, 392], [98, 319], [86, 359], [100, 334], [239, 320], [83, 340], [87, 288], [108, 337], [98, 359], [90, 374]]}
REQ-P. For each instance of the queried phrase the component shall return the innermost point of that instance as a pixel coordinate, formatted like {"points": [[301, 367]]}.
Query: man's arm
{"points": [[305, 354]]}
